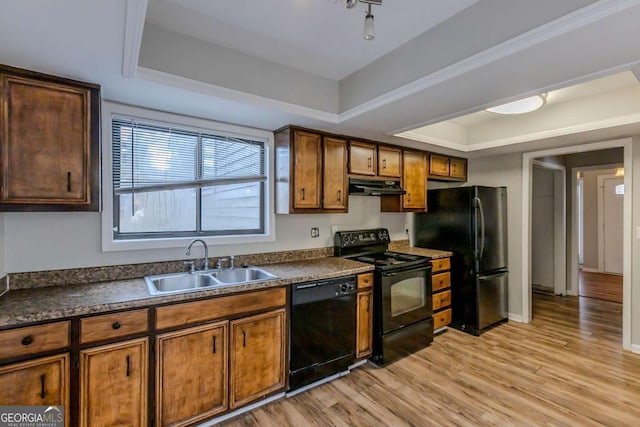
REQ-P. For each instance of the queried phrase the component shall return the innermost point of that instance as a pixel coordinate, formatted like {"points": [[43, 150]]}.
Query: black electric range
{"points": [[402, 315]]}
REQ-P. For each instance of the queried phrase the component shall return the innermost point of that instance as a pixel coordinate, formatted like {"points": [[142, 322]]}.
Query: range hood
{"points": [[371, 187]]}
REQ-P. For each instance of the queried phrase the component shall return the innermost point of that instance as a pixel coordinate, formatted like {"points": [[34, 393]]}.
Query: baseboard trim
{"points": [[635, 348], [218, 420], [515, 318]]}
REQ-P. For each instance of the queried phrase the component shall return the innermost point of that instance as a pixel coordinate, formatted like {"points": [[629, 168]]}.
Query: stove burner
{"points": [[387, 258]]}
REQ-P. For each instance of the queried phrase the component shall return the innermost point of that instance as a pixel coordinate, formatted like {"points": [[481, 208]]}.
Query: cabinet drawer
{"points": [[440, 281], [34, 339], [442, 318], [441, 300], [201, 311], [440, 264], [365, 280], [113, 325]]}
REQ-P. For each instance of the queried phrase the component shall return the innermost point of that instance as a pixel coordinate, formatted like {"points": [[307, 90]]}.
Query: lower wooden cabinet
{"points": [[113, 384], [258, 356], [191, 374], [42, 381], [364, 324], [441, 285]]}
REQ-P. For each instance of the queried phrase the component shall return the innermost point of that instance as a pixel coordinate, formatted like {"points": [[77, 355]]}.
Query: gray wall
{"points": [[542, 228], [51, 241], [506, 170]]}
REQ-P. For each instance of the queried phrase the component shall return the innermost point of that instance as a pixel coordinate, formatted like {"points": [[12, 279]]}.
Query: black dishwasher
{"points": [[322, 329]]}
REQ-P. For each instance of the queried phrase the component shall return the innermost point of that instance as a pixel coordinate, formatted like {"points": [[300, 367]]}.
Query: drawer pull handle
{"points": [[244, 339], [43, 392], [68, 181], [384, 163], [28, 340], [339, 195], [303, 194], [214, 344], [369, 162], [128, 366], [116, 325]]}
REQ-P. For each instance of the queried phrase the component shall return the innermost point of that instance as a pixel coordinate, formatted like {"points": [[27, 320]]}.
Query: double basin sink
{"points": [[199, 280]]}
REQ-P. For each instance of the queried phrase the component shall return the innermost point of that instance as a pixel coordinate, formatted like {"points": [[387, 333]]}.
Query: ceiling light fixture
{"points": [[521, 106], [368, 32]]}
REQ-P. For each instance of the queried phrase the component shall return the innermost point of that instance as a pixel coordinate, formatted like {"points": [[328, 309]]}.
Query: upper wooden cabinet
{"points": [[362, 158], [443, 168], [334, 172], [414, 183], [311, 173], [49, 136], [389, 159]]}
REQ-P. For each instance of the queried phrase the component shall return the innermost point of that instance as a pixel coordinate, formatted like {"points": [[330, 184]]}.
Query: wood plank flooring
{"points": [[599, 285], [567, 368]]}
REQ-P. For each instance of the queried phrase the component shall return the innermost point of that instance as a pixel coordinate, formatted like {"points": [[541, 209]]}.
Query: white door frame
{"points": [[600, 218], [527, 165], [559, 225]]}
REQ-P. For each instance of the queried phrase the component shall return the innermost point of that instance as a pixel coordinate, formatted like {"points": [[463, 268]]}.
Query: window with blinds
{"points": [[173, 182]]}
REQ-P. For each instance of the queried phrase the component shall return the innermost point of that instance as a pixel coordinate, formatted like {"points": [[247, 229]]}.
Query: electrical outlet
{"points": [[315, 232], [334, 229], [406, 228]]}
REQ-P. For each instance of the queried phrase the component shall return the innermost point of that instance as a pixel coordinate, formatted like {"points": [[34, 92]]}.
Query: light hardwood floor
{"points": [[567, 368]]}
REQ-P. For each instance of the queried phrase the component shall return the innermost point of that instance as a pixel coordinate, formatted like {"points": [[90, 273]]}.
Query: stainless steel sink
{"points": [[242, 275], [188, 282], [178, 282]]}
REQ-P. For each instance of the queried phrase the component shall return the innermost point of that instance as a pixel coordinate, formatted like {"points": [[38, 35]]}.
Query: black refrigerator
{"points": [[472, 223]]}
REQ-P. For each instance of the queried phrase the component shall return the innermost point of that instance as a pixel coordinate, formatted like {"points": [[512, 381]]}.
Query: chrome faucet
{"points": [[205, 262]]}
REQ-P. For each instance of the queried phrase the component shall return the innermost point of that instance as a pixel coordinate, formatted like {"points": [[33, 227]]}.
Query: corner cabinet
{"points": [[311, 171], [49, 142], [414, 182]]}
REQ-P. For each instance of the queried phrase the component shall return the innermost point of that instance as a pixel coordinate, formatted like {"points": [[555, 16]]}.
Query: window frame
{"points": [[178, 239]]}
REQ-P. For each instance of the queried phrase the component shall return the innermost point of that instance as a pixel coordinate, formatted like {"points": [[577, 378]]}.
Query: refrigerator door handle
{"points": [[481, 211]]}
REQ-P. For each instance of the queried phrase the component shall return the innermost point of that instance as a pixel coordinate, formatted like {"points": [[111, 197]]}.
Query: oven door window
{"points": [[407, 295], [406, 298]]}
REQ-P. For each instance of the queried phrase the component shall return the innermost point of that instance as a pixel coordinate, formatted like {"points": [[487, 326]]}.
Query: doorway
{"points": [[572, 243]]}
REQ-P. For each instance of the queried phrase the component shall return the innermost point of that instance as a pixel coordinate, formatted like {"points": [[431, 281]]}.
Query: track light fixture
{"points": [[368, 33]]}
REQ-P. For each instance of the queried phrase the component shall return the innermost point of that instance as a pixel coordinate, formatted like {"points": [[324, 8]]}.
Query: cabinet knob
{"points": [[28, 340], [116, 325]]}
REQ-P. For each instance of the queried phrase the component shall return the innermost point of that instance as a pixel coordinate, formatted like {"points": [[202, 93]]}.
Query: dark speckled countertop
{"points": [[24, 306]]}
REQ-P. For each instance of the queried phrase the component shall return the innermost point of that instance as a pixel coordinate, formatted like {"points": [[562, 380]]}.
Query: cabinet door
{"points": [[45, 142], [191, 374], [364, 324], [335, 174], [362, 158], [458, 168], [43, 381], [438, 165], [389, 161], [113, 384], [414, 180], [307, 161], [257, 357]]}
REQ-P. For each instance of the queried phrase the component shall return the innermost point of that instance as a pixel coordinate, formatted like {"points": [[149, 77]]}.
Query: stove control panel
{"points": [[343, 239]]}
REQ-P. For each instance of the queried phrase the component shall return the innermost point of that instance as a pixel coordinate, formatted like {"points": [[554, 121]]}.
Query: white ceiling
{"points": [[320, 37], [269, 64]]}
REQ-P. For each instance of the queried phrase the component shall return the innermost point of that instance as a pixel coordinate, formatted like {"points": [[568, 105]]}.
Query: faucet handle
{"points": [[220, 262], [232, 260], [192, 266]]}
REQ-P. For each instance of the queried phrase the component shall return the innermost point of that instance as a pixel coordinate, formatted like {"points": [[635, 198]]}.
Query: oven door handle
{"points": [[389, 274]]}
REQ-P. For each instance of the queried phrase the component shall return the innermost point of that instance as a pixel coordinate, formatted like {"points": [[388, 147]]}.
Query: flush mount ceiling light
{"points": [[368, 33], [521, 106]]}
